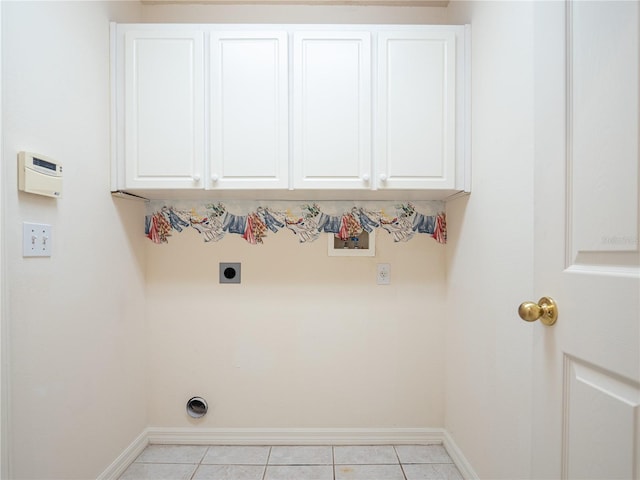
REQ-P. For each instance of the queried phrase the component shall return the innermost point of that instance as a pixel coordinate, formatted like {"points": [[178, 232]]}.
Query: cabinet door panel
{"points": [[249, 110], [164, 109], [416, 99], [332, 109]]}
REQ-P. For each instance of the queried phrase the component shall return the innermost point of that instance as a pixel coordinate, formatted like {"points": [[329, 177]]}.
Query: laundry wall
{"points": [[306, 340], [74, 323]]}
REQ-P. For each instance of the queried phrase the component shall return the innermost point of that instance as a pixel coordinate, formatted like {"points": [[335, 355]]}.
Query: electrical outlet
{"points": [[36, 240], [384, 274]]}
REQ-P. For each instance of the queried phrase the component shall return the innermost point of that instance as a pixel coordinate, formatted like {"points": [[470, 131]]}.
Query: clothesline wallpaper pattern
{"points": [[254, 220]]}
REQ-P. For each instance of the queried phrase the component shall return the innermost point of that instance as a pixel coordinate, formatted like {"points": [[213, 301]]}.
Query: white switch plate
{"points": [[36, 240], [384, 274]]}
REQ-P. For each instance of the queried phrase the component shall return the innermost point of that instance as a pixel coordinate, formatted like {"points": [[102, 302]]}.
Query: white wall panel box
{"points": [[39, 174]]}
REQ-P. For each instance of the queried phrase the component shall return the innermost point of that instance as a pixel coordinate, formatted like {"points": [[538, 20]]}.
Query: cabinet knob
{"points": [[366, 177], [383, 177], [214, 177], [196, 178]]}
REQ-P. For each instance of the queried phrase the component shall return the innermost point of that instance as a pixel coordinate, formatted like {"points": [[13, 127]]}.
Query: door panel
{"points": [[416, 109], [332, 109], [249, 110], [602, 130], [164, 109], [587, 366], [588, 433]]}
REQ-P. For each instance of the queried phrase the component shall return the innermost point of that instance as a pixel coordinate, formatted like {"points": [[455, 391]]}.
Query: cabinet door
{"points": [[332, 110], [415, 136], [249, 110], [164, 109]]}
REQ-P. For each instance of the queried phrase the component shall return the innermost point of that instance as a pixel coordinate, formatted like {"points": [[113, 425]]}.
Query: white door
{"points": [[416, 122], [332, 110], [164, 109], [249, 110], [587, 366]]}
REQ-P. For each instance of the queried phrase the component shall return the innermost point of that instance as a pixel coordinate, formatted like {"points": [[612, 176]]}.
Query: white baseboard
{"points": [[465, 468], [294, 436], [126, 458]]}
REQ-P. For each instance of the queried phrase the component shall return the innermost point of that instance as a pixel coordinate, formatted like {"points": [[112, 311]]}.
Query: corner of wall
{"points": [[490, 255]]}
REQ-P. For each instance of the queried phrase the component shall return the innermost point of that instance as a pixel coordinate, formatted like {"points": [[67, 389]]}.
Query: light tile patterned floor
{"points": [[380, 462]]}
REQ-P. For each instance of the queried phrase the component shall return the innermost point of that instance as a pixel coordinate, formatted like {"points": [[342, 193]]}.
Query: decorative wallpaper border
{"points": [[308, 220]]}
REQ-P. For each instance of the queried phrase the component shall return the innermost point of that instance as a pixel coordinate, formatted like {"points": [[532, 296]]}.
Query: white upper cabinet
{"points": [[416, 135], [349, 111], [163, 139], [249, 110], [332, 110]]}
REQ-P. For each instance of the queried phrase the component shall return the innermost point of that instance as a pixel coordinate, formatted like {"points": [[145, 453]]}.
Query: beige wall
{"points": [[292, 14], [74, 322], [306, 340], [490, 252]]}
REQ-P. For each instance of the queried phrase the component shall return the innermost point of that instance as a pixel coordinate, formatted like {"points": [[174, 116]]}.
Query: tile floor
{"points": [[383, 462]]}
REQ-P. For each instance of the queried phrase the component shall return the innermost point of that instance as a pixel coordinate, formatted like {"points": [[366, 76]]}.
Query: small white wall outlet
{"points": [[384, 274], [36, 240]]}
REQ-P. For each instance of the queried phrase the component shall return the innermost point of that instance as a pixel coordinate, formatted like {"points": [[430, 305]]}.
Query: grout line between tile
{"points": [[266, 465], [194, 471], [395, 450], [204, 454]]}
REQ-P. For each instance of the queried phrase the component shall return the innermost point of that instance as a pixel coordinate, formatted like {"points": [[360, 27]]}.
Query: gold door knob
{"points": [[546, 310]]}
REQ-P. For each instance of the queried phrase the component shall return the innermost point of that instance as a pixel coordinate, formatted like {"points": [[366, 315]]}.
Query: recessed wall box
{"points": [[230, 272], [362, 245], [39, 174]]}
